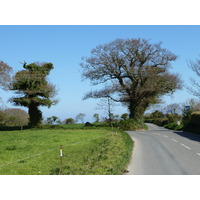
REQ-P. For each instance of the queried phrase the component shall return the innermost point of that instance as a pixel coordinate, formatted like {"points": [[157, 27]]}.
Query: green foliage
{"points": [[89, 151], [173, 118], [96, 117], [191, 122], [124, 116], [130, 125], [34, 89], [70, 121], [53, 120], [195, 119], [160, 119], [156, 114], [174, 126], [186, 118]]}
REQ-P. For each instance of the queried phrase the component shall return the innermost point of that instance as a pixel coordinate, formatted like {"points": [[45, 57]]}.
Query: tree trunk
{"points": [[35, 116], [136, 111]]}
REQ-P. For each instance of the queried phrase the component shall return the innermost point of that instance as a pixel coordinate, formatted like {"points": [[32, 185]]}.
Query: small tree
{"points": [[53, 120], [5, 75], [106, 104], [17, 117], [96, 117], [173, 108], [70, 121], [124, 116], [195, 67], [34, 89], [80, 117]]}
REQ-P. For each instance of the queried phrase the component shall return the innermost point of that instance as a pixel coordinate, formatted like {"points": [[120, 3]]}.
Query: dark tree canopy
{"points": [[135, 72], [34, 90]]}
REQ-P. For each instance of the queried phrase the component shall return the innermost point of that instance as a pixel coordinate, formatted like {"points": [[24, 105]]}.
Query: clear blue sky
{"points": [[64, 46]]}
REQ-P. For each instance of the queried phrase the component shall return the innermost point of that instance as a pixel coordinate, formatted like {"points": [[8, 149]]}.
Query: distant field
{"points": [[85, 151]]}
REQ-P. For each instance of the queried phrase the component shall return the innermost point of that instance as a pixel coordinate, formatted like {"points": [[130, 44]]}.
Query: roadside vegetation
{"points": [[85, 151], [186, 119], [132, 72]]}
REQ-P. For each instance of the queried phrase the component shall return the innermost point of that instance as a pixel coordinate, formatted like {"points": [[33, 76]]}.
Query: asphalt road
{"points": [[160, 151]]}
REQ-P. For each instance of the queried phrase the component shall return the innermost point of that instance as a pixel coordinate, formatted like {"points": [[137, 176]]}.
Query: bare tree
{"points": [[193, 104], [16, 117], [195, 67], [174, 108], [5, 75], [135, 71], [107, 105], [80, 117]]}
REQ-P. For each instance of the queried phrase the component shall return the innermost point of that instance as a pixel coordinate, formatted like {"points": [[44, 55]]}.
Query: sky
{"points": [[65, 46]]}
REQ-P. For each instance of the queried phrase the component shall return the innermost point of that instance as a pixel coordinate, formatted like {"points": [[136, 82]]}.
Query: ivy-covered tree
{"points": [[34, 90]]}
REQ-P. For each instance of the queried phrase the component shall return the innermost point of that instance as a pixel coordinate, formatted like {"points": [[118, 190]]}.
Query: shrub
{"points": [[195, 119], [70, 121], [186, 118], [158, 121], [173, 118], [88, 124], [130, 125]]}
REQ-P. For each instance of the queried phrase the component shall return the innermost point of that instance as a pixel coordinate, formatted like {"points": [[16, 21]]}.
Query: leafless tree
{"points": [[195, 67], [193, 103], [174, 108], [5, 75], [80, 117], [135, 71], [15, 117]]}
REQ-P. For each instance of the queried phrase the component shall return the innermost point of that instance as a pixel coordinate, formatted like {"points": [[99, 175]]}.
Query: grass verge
{"points": [[85, 151]]}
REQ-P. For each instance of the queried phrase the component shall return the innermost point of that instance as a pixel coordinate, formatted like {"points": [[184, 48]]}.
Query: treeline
{"points": [[13, 117], [132, 72], [187, 118]]}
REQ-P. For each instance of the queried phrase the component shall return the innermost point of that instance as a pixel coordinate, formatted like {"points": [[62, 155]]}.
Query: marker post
{"points": [[61, 161]]}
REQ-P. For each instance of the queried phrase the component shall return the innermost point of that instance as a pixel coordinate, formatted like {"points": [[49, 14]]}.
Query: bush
{"points": [[173, 118], [158, 121], [88, 124], [195, 119], [174, 126], [186, 118], [70, 121], [130, 125]]}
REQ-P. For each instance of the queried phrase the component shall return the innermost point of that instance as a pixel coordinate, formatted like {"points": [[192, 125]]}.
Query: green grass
{"points": [[85, 151]]}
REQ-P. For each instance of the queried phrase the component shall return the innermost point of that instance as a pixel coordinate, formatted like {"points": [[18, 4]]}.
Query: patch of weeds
{"points": [[57, 170], [11, 148], [22, 161]]}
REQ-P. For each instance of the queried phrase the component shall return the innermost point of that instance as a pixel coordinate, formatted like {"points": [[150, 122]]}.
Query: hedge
{"points": [[195, 119]]}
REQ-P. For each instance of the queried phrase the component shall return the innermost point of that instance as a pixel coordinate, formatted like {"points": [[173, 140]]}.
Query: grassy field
{"points": [[85, 151]]}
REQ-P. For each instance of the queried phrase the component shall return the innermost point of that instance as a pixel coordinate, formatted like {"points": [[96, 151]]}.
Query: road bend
{"points": [[160, 151]]}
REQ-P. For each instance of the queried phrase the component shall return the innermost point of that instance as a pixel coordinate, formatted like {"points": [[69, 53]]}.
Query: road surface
{"points": [[160, 151]]}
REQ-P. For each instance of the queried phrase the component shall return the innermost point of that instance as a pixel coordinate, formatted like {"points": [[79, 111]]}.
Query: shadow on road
{"points": [[188, 135]]}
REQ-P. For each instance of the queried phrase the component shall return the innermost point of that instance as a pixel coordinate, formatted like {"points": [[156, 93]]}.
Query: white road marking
{"points": [[165, 136], [174, 140], [185, 146], [155, 133], [198, 154]]}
